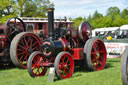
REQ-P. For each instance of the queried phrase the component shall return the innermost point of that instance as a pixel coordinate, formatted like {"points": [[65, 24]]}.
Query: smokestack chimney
{"points": [[51, 32]]}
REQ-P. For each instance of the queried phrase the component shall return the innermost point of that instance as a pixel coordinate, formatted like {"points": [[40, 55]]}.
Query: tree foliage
{"points": [[23, 8], [113, 18]]}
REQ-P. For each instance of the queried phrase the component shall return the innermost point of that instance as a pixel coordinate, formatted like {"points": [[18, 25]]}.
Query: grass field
{"points": [[109, 76]]}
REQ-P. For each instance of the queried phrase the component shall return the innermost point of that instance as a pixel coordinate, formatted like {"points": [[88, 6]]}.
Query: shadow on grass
{"points": [[6, 66], [108, 65], [78, 71]]}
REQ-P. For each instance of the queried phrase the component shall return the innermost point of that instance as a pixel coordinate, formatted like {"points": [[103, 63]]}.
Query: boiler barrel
{"points": [[51, 48]]}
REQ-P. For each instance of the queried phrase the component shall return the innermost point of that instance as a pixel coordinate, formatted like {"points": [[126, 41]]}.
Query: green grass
{"points": [[109, 76]]}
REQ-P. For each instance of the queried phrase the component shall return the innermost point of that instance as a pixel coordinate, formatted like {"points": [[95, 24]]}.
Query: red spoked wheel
{"points": [[64, 65], [22, 46], [124, 67], [12, 27], [95, 54], [34, 65]]}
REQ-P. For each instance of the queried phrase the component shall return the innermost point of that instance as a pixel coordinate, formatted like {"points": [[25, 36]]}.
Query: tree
{"points": [[23, 8], [124, 13], [97, 15], [32, 8], [6, 10], [77, 21], [113, 11], [89, 18]]}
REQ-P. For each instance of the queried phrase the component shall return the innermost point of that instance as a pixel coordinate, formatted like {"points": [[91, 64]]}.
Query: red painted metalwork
{"points": [[23, 45], [95, 54], [65, 43], [78, 53], [37, 64], [64, 65], [98, 55], [65, 46]]}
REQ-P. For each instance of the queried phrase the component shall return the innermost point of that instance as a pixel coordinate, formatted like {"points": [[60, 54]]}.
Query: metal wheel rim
{"points": [[36, 68], [124, 67], [98, 55], [65, 66], [25, 47]]}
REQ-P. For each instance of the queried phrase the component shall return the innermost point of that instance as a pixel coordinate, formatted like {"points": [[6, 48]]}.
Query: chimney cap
{"points": [[50, 8]]}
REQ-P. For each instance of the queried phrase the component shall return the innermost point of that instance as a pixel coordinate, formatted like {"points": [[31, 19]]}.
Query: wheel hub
{"points": [[29, 50], [97, 55]]}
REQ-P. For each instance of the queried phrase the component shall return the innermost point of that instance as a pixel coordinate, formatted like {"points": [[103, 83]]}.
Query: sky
{"points": [[83, 8]]}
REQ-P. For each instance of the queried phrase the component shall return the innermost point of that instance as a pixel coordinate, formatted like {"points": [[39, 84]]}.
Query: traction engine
{"points": [[70, 48], [63, 49], [7, 33]]}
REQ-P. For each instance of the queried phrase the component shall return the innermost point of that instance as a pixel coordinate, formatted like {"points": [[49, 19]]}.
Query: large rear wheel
{"points": [[95, 54], [22, 46], [124, 67]]}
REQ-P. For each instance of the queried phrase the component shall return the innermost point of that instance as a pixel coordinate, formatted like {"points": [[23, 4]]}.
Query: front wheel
{"points": [[64, 65], [34, 65], [95, 54]]}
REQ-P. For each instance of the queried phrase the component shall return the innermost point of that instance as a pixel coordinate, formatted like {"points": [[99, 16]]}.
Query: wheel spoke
{"points": [[62, 60], [94, 48], [67, 61], [33, 66], [64, 72], [20, 49], [15, 22], [69, 64], [25, 42], [34, 48], [21, 46], [93, 53], [97, 46], [60, 67], [22, 53], [68, 69], [37, 70], [96, 59], [31, 42], [11, 27], [92, 60], [34, 44], [100, 62], [29, 39], [25, 57], [101, 52], [21, 58], [11, 33], [39, 61]]}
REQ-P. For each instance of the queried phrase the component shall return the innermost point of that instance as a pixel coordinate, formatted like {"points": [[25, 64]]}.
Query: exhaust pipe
{"points": [[51, 32]]}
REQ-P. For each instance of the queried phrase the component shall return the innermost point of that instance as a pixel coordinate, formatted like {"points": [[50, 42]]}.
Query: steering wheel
{"points": [[12, 27]]}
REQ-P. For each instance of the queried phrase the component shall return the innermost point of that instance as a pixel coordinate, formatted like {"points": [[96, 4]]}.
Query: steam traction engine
{"points": [[63, 49], [7, 33]]}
